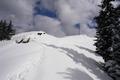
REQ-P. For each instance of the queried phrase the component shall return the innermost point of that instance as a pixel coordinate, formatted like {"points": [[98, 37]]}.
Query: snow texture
{"points": [[115, 3], [46, 57]]}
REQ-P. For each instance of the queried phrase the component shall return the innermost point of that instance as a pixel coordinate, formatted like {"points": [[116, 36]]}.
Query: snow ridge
{"points": [[45, 57]]}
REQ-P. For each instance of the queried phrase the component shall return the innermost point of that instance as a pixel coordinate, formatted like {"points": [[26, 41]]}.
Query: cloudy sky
{"points": [[56, 17]]}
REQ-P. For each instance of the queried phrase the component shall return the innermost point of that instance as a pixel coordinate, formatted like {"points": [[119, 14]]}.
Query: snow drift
{"points": [[45, 57]]}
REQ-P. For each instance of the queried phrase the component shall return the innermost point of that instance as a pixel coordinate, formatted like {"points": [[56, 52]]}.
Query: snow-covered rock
{"points": [[46, 57]]}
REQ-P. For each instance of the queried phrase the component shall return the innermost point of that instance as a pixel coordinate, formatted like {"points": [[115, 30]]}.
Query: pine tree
{"points": [[104, 31], [114, 68], [108, 37], [10, 30], [6, 30], [116, 37]]}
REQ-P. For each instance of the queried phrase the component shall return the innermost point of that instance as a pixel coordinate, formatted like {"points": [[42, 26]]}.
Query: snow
{"points": [[46, 57], [115, 3]]}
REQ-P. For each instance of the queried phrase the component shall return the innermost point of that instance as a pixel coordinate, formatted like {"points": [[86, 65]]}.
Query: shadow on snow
{"points": [[90, 64]]}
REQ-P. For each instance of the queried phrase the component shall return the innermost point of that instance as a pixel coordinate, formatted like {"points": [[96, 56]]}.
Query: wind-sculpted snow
{"points": [[45, 57]]}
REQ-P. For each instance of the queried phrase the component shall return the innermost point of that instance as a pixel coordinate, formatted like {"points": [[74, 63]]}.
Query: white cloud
{"points": [[70, 12], [86, 30], [20, 11], [49, 25]]}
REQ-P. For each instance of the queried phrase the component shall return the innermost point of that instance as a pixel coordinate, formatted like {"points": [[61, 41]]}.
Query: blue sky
{"points": [[41, 10]]}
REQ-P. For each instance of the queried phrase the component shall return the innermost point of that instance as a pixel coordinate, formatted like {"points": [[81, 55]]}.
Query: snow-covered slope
{"points": [[46, 57]]}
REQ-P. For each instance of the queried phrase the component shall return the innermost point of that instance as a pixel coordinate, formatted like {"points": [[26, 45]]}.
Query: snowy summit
{"points": [[39, 56]]}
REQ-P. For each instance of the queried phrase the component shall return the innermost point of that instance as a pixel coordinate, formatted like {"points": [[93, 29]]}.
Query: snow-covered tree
{"points": [[114, 70], [104, 30], [108, 37]]}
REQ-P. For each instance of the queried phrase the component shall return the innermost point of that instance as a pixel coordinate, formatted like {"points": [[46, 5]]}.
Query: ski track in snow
{"points": [[48, 58], [21, 75]]}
